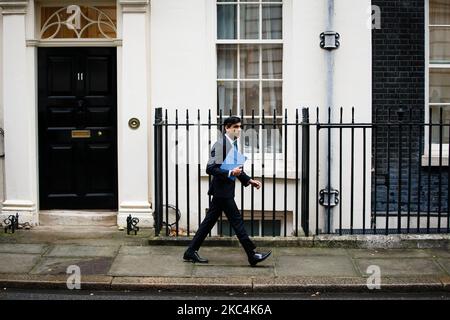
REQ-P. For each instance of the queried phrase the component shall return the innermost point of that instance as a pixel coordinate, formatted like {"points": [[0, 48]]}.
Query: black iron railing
{"points": [[336, 176]]}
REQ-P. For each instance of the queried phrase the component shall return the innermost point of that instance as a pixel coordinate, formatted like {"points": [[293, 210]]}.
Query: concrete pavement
{"points": [[111, 260]]}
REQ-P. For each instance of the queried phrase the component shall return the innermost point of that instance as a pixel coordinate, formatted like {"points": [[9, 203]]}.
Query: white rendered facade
{"points": [[166, 57]]}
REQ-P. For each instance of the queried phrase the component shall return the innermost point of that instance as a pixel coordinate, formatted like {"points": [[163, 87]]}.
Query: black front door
{"points": [[77, 128]]}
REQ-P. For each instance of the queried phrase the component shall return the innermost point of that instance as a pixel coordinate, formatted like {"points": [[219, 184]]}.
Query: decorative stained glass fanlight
{"points": [[78, 22]]}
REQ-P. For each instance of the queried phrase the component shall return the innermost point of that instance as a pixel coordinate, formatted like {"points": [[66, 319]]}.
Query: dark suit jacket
{"points": [[221, 186]]}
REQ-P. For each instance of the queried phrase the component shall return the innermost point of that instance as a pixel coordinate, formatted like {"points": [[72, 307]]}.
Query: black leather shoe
{"points": [[194, 257], [257, 257]]}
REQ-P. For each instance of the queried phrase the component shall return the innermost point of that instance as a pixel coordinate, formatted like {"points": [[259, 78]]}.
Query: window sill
{"points": [[434, 160], [268, 174]]}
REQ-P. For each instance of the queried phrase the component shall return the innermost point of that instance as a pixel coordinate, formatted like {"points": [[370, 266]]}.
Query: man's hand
{"points": [[236, 171], [255, 183]]}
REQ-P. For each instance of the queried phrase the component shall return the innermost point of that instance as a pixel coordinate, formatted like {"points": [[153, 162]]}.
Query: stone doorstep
{"points": [[104, 218], [227, 284]]}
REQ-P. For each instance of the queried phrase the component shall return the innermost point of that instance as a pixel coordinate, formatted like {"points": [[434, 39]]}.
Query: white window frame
{"points": [[257, 217], [258, 156], [435, 147]]}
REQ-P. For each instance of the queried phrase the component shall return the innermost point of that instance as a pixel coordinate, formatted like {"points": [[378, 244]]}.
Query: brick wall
{"points": [[399, 83]]}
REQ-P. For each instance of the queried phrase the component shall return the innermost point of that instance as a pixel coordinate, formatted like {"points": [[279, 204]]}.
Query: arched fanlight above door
{"points": [[78, 22]]}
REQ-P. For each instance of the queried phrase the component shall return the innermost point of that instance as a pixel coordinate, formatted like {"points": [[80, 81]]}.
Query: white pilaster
{"points": [[19, 116], [133, 144]]}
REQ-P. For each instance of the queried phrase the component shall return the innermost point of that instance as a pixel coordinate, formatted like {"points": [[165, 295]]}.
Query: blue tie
{"points": [[235, 151]]}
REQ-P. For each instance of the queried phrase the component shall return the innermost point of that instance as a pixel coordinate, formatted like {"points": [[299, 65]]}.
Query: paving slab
{"points": [[231, 259], [141, 265], [227, 271], [82, 251], [445, 263], [153, 250], [29, 248], [216, 256], [388, 253], [220, 250], [400, 266], [444, 253], [88, 266], [310, 251], [17, 263], [228, 257], [315, 266], [137, 250]]}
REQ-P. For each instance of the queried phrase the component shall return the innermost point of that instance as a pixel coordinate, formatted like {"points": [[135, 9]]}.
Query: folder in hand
{"points": [[233, 160]]}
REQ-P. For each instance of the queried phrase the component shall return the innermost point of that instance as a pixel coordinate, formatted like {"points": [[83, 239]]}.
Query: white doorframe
{"points": [[21, 124]]}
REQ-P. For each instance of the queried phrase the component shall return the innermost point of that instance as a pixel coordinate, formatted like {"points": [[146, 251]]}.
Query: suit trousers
{"points": [[227, 205]]}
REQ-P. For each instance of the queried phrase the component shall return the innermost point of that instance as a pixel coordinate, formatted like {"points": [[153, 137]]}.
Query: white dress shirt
{"points": [[232, 143]]}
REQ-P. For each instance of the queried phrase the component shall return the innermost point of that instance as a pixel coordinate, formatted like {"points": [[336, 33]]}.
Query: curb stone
{"points": [[228, 284]]}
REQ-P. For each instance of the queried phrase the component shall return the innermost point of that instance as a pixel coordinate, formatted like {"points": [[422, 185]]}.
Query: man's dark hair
{"points": [[228, 122]]}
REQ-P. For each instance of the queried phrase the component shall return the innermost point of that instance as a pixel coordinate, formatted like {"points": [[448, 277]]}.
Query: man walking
{"points": [[222, 189]]}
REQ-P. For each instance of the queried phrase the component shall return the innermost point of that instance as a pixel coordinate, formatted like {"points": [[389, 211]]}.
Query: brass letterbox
{"points": [[81, 134]]}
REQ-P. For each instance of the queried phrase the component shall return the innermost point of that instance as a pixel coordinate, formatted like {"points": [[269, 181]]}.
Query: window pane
{"points": [[272, 22], [272, 61], [272, 97], [435, 117], [269, 225], [439, 12], [247, 226], [226, 21], [440, 44], [249, 64], [226, 61], [272, 137], [250, 136], [440, 85], [249, 21], [250, 97], [227, 97]]}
